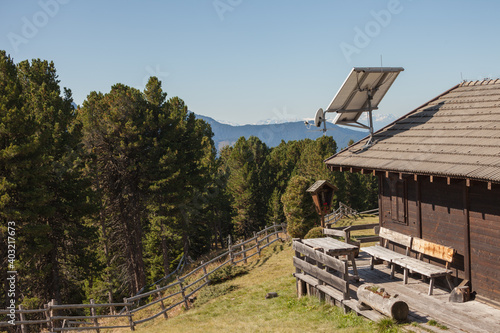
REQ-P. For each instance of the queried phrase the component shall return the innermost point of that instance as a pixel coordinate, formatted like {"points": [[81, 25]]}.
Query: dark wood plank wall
{"points": [[435, 211], [452, 214], [444, 217], [485, 239]]}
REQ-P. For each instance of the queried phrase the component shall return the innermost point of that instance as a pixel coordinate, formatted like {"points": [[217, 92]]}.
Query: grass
{"points": [[434, 323], [358, 220], [240, 304]]}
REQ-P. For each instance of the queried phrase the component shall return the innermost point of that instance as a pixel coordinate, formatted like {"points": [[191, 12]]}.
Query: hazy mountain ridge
{"points": [[273, 134]]}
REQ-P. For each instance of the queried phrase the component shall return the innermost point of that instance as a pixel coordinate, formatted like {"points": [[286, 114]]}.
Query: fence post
{"points": [[276, 230], [205, 271], [53, 313], [93, 314], [267, 238], [257, 242], [162, 305], [47, 315], [127, 313], [186, 303], [230, 248], [21, 319], [244, 253], [112, 309]]}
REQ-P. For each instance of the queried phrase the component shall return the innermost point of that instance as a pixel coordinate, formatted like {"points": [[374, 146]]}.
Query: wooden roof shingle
{"points": [[455, 135]]}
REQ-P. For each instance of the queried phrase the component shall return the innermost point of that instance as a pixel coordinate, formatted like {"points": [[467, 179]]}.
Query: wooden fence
{"points": [[166, 298], [344, 211]]}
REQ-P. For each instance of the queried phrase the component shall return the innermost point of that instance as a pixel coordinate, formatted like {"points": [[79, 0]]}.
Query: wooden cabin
{"points": [[439, 178]]}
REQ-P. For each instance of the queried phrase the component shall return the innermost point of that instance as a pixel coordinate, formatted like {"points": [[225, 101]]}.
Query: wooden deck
{"points": [[472, 316]]}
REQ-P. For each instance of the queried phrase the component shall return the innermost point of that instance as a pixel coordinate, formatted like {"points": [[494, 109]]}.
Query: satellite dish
{"points": [[319, 117]]}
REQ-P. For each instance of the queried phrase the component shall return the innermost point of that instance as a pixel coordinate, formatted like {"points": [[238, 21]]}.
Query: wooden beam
{"points": [[362, 171], [467, 182], [380, 206], [351, 170], [448, 180], [489, 186], [415, 177], [387, 174], [340, 169], [466, 203], [419, 209], [374, 173], [431, 178], [400, 175]]}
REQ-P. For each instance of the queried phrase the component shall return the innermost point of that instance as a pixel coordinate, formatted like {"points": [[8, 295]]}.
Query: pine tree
{"points": [[113, 135], [298, 207], [248, 184], [44, 190]]}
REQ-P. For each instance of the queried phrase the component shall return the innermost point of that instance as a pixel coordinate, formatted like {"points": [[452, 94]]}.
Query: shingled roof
{"points": [[455, 135]]}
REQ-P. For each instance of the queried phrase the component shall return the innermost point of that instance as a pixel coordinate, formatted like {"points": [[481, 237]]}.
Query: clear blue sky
{"points": [[248, 60]]}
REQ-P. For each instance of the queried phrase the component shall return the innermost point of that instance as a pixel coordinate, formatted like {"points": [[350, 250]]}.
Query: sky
{"points": [[244, 61]]}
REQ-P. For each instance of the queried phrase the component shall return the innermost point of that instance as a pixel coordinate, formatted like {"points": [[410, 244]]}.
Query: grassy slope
{"points": [[246, 307]]}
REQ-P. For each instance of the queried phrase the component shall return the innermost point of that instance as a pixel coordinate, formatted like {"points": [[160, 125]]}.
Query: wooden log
{"points": [[389, 305]]}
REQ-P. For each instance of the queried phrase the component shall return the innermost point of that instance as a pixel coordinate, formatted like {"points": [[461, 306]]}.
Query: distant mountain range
{"points": [[273, 132]]}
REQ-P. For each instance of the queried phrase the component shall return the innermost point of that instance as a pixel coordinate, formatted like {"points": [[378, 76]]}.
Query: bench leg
{"points": [[431, 286], [354, 268], [301, 288], [448, 279], [372, 262], [392, 270], [405, 276]]}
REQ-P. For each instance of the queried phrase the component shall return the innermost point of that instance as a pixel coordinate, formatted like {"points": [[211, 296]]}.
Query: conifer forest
{"points": [[106, 197]]}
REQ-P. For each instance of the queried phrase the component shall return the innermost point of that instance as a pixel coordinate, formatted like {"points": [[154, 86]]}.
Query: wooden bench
{"points": [[420, 246], [423, 247], [383, 253]]}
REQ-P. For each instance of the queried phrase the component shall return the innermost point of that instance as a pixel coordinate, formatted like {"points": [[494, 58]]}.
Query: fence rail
{"points": [[180, 293], [344, 211]]}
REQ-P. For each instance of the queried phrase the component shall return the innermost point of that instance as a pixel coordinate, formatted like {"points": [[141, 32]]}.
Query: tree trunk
{"points": [[165, 252], [389, 305], [55, 283]]}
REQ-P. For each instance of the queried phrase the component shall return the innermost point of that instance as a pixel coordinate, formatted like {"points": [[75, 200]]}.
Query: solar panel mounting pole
{"points": [[370, 140]]}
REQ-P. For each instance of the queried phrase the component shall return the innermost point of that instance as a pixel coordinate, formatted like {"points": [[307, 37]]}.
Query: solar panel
{"points": [[361, 92]]}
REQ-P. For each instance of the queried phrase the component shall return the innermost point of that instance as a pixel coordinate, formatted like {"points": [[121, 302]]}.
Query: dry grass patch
{"points": [[244, 306]]}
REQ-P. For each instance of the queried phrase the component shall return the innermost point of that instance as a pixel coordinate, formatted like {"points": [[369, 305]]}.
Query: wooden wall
{"points": [[450, 213], [484, 219]]}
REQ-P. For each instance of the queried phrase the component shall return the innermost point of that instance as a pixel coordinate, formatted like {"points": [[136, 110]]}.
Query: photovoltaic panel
{"points": [[352, 99]]}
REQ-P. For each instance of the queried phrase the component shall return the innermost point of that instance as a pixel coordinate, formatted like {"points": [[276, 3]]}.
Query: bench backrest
{"points": [[395, 237], [432, 249], [335, 233]]}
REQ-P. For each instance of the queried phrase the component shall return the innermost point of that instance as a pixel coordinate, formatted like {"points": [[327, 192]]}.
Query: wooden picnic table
{"points": [[335, 248]]}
